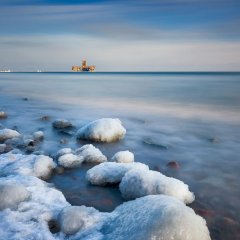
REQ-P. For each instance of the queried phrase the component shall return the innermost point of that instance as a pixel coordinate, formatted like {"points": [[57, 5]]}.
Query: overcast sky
{"points": [[127, 35]]}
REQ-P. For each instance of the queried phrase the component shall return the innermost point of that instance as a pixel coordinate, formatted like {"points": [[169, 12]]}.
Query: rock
{"points": [[12, 194], [91, 154], [141, 182], [155, 217], [123, 157], [70, 160], [59, 170], [6, 134], [63, 141], [2, 148], [3, 115], [25, 99], [173, 164], [102, 130], [61, 123], [64, 151], [45, 118], [111, 172], [38, 136], [53, 226]]}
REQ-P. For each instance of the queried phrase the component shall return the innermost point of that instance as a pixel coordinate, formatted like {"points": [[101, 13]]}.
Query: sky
{"points": [[120, 35]]}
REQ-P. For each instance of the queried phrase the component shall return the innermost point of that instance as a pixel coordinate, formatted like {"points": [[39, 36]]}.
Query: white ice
{"points": [[102, 130], [8, 134], [123, 157], [70, 160]]}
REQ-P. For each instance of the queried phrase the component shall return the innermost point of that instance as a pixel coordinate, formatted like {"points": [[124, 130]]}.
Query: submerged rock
{"points": [[3, 115], [123, 157], [70, 160], [61, 124], [111, 172], [102, 130], [6, 134], [141, 182], [91, 154], [155, 217], [173, 164], [38, 136], [11, 194]]}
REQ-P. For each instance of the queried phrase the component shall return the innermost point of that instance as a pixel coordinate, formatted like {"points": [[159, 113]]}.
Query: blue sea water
{"points": [[191, 118]]}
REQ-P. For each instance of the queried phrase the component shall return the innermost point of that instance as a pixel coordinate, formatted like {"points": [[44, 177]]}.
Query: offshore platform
{"points": [[83, 68]]}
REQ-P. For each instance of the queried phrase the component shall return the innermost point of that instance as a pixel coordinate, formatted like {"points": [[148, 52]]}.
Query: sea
{"points": [[185, 125]]}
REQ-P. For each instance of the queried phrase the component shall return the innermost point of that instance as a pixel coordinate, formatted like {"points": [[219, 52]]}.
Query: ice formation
{"points": [[35, 165], [102, 130], [141, 182], [70, 160], [8, 134], [123, 157], [91, 154], [2, 148], [157, 217], [61, 123], [11, 194], [38, 136], [111, 172], [64, 151]]}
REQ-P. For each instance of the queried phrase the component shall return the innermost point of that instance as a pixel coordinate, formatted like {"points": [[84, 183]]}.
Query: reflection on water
{"points": [[192, 120]]}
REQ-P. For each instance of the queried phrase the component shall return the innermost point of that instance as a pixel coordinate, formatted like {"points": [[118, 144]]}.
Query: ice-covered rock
{"points": [[2, 148], [111, 172], [8, 134], [157, 217], [64, 151], [141, 182], [123, 157], [38, 136], [11, 194], [35, 165], [70, 160], [3, 115], [61, 123], [102, 130], [91, 154], [77, 218]]}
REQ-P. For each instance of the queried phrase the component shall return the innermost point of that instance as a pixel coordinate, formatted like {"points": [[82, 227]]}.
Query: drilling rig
{"points": [[83, 68]]}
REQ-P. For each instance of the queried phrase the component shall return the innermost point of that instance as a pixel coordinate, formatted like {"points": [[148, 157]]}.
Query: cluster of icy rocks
{"points": [[28, 204]]}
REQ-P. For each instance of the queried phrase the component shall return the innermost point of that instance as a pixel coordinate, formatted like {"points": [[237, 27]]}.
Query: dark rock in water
{"points": [[3, 115], [213, 140], [59, 170], [173, 164], [25, 99], [63, 141], [45, 118], [2, 148], [65, 132], [53, 226], [150, 142], [8, 148], [61, 124], [204, 212]]}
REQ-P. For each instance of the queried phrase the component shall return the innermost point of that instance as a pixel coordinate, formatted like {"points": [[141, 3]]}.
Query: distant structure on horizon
{"points": [[83, 68], [8, 70]]}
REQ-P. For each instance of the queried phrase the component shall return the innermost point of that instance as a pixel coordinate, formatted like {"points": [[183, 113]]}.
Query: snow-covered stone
{"points": [[3, 115], [61, 123], [102, 130], [111, 172], [91, 154], [70, 160], [157, 217], [35, 165], [123, 157], [2, 148], [64, 151], [141, 182], [11, 194], [8, 134], [77, 218], [38, 136]]}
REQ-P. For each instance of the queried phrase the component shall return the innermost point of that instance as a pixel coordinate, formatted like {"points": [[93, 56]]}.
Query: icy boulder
{"points": [[11, 194], [102, 130], [123, 157], [64, 151], [141, 182], [91, 154], [155, 217], [6, 134], [111, 172], [70, 160], [74, 218], [2, 148], [38, 136], [61, 124], [35, 165]]}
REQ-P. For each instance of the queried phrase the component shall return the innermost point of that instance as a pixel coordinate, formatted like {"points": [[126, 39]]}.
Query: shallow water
{"points": [[193, 119]]}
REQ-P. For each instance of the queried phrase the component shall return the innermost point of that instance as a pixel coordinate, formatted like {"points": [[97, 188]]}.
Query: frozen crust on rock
{"points": [[141, 182], [102, 130], [123, 157]]}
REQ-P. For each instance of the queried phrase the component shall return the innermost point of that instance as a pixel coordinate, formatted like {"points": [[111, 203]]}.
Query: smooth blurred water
{"points": [[193, 119]]}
